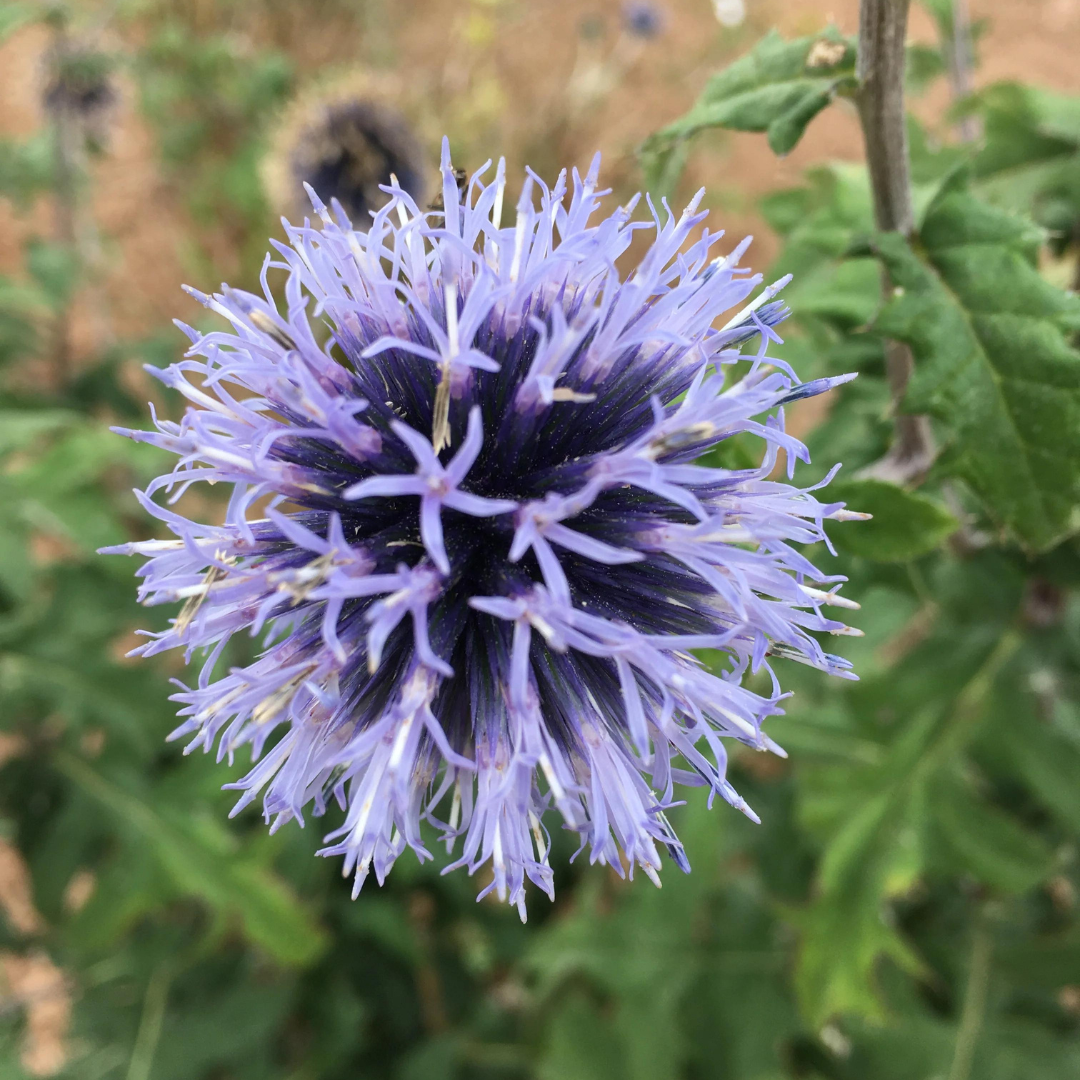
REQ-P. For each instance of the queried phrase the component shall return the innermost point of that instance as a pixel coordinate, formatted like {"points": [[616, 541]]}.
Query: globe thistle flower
{"points": [[79, 88], [348, 141], [642, 19], [487, 552]]}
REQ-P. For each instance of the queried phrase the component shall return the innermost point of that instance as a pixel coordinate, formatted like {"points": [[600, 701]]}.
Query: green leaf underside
{"points": [[993, 363], [776, 88], [905, 524], [1024, 127]]}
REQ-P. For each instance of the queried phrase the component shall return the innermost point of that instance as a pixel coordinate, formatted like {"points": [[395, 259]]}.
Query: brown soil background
{"points": [[497, 76]]}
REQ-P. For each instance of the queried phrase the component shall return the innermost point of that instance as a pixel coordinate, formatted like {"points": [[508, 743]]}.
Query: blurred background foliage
{"points": [[907, 910]]}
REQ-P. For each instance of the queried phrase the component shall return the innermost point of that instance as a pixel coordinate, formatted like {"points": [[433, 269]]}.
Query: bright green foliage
{"points": [[1025, 126], [200, 858], [14, 15], [905, 525], [25, 167], [694, 973], [778, 88], [878, 829], [209, 99], [937, 793], [1028, 161], [994, 364]]}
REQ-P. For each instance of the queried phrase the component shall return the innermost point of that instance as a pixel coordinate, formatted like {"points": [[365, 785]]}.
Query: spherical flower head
{"points": [[485, 552]]}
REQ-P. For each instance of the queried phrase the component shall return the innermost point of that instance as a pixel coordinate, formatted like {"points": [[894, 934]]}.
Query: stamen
{"points": [[440, 423], [766, 295], [402, 214], [497, 208], [195, 601], [261, 321], [271, 705], [833, 599], [564, 393], [538, 837]]}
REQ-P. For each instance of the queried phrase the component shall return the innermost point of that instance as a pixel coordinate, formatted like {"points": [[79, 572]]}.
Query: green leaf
{"points": [[20, 427], [906, 524], [1029, 158], [986, 841], [644, 953], [877, 849], [847, 294], [386, 923], [15, 15], [777, 88], [992, 362], [1007, 1048], [1042, 756], [21, 308], [214, 1030], [580, 1042], [55, 268], [26, 167], [874, 856], [842, 940], [16, 569], [924, 64], [1046, 962], [824, 214], [198, 854], [1024, 126], [742, 1013]]}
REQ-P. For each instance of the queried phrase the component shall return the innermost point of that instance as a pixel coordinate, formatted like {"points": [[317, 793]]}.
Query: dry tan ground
{"points": [[515, 76]]}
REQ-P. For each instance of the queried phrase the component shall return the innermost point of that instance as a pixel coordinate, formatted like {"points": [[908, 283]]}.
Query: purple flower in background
{"points": [[467, 524], [642, 19]]}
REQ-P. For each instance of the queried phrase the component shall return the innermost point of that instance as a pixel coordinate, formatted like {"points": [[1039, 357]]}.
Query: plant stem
{"points": [[960, 63], [153, 1016], [971, 1016], [428, 984], [880, 72], [64, 135]]}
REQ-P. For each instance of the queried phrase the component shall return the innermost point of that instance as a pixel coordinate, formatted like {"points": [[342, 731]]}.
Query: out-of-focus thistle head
{"points": [[488, 553], [348, 141], [78, 85], [642, 19]]}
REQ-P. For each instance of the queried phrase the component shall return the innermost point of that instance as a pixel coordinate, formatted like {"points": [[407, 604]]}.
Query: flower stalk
{"points": [[880, 74]]}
